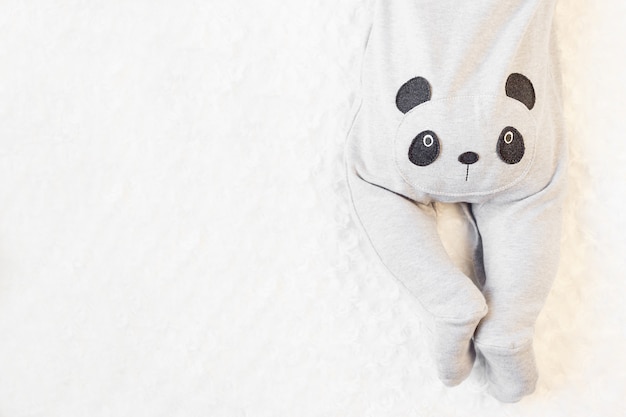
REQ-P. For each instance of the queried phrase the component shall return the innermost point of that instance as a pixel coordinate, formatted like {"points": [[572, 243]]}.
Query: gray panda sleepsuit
{"points": [[460, 103]]}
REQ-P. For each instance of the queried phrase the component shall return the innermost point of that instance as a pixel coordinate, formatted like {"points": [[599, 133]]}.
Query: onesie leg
{"points": [[404, 235], [452, 348], [520, 251], [511, 373]]}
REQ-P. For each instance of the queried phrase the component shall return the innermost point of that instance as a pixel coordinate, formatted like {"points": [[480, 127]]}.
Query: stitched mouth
{"points": [[467, 173]]}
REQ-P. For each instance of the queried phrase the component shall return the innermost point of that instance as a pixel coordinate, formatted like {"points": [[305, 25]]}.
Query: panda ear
{"points": [[413, 93], [521, 89]]}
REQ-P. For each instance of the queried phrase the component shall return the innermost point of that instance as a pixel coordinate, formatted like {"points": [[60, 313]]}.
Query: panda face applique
{"points": [[467, 145]]}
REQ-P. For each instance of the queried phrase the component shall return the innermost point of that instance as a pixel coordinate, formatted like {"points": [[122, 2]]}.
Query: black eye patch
{"points": [[511, 147], [424, 149]]}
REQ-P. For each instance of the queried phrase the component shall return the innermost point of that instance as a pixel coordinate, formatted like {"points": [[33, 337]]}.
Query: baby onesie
{"points": [[460, 103]]}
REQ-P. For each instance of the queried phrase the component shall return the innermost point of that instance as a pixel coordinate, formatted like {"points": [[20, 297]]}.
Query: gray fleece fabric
{"points": [[460, 103]]}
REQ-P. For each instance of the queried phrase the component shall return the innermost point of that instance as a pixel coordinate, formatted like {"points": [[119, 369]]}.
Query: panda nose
{"points": [[468, 158]]}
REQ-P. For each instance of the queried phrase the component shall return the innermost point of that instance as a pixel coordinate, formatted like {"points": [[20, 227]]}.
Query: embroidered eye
{"points": [[511, 146], [424, 149]]}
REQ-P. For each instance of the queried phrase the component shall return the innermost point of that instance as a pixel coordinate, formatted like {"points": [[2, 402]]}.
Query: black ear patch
{"points": [[413, 93], [521, 89]]}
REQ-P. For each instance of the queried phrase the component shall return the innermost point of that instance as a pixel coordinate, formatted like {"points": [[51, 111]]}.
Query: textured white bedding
{"points": [[175, 238]]}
